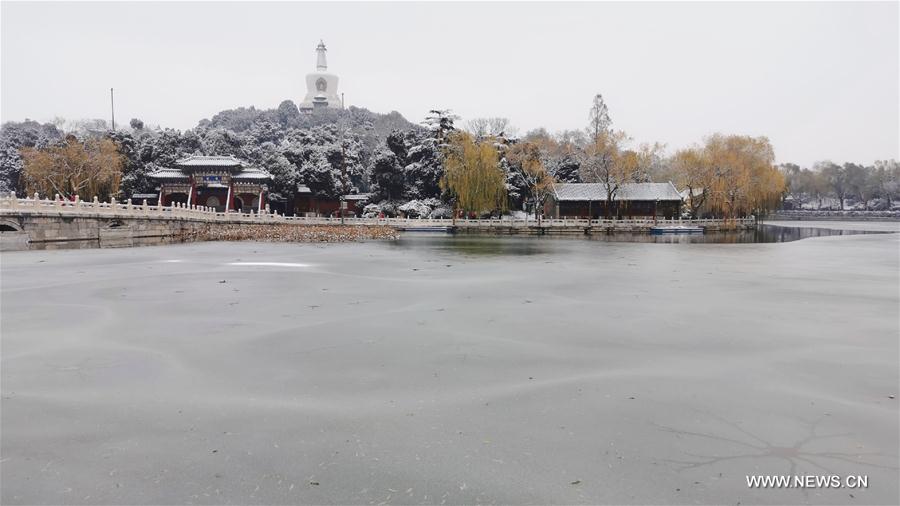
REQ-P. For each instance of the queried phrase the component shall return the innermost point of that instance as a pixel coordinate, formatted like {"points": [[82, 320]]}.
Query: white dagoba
{"points": [[321, 87]]}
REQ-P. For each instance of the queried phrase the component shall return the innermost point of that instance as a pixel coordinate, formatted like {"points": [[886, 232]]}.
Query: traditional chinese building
{"points": [[221, 182], [631, 200], [305, 203]]}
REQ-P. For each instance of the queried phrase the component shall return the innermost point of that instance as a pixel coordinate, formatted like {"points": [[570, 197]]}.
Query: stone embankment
{"points": [[277, 232]]}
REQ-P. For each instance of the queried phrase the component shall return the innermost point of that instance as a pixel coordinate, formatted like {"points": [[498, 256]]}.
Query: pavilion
{"points": [[642, 200], [223, 183]]}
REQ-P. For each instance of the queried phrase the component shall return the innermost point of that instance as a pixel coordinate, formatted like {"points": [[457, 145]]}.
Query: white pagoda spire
{"points": [[321, 87], [321, 65]]}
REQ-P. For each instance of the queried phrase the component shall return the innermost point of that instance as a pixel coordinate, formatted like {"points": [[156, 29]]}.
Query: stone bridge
{"points": [[49, 224]]}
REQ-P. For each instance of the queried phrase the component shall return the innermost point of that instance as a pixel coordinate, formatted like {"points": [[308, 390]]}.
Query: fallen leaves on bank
{"points": [[292, 233]]}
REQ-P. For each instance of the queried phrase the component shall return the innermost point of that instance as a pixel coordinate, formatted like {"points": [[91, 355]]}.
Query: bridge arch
{"points": [[9, 226]]}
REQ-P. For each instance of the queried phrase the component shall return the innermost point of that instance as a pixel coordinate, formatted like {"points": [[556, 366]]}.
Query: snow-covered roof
{"points": [[626, 191], [357, 196], [242, 173], [251, 173], [209, 161], [168, 173], [302, 188]]}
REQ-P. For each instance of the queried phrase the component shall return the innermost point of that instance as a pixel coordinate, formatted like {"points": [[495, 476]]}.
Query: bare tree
{"points": [[836, 177], [605, 162], [599, 121], [490, 127]]}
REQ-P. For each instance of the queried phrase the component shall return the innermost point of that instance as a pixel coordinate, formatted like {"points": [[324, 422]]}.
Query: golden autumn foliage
{"points": [[473, 175], [691, 173], [742, 174], [92, 168], [731, 175]]}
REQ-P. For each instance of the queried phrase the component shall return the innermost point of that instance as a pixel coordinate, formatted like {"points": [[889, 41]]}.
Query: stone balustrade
{"points": [[14, 205], [127, 209]]}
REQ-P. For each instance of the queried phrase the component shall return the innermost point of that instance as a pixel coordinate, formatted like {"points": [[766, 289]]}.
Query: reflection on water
{"points": [[474, 245], [477, 245], [21, 243], [480, 245], [763, 233]]}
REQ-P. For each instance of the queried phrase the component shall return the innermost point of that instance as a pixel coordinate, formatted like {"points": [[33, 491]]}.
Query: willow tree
{"points": [[743, 177], [92, 168], [472, 175], [691, 170]]}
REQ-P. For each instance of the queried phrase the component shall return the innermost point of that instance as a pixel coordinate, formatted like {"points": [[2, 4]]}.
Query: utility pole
{"points": [[343, 160], [112, 109]]}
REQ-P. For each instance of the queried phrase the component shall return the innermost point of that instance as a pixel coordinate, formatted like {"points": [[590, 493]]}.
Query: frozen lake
{"points": [[441, 370]]}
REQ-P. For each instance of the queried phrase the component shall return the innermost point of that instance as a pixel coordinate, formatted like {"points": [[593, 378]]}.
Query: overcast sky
{"points": [[819, 79]]}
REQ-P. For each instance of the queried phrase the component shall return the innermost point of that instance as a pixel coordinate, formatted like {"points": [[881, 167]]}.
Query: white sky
{"points": [[819, 79]]}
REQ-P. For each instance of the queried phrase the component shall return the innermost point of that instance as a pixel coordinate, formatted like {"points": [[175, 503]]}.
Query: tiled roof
{"points": [[627, 191], [168, 173], [245, 174], [209, 161], [252, 173]]}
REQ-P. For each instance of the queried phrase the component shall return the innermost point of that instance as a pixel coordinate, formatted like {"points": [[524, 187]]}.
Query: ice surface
{"points": [[446, 371]]}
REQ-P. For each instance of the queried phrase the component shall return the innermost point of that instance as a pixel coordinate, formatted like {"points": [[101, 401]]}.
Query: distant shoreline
{"points": [[834, 216]]}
